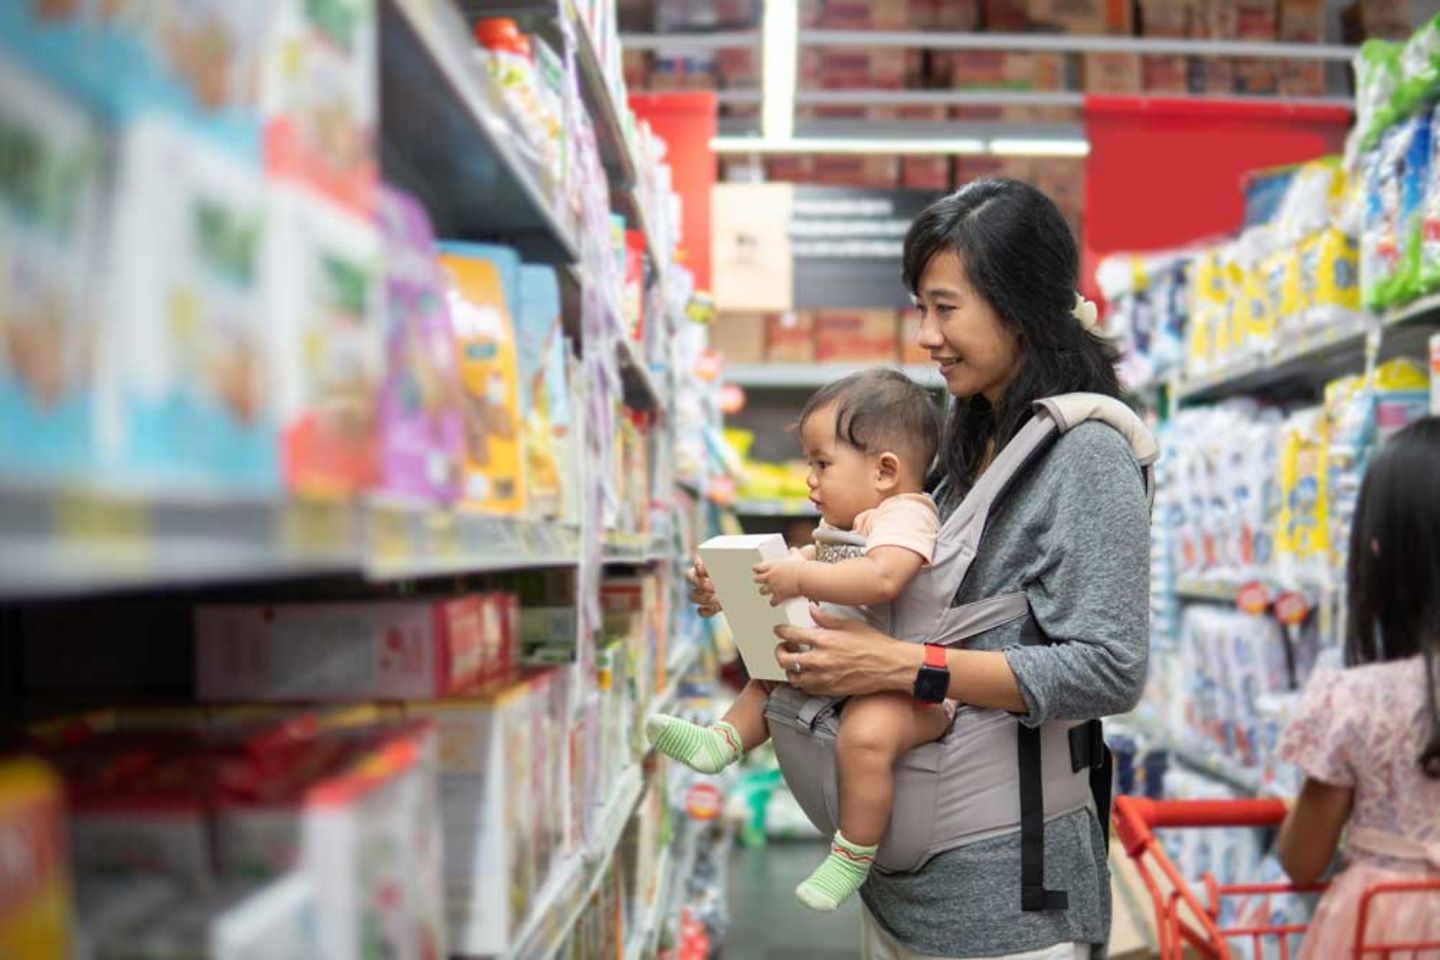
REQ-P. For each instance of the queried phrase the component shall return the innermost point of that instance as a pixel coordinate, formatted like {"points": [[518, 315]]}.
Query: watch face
{"points": [[931, 684]]}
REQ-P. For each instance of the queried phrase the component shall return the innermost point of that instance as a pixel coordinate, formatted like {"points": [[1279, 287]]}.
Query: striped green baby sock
{"points": [[842, 873], [708, 750]]}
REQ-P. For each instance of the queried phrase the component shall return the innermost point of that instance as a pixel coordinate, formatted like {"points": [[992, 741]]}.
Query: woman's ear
{"points": [[887, 470]]}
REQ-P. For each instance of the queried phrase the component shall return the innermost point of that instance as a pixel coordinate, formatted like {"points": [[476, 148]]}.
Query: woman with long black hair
{"points": [[993, 270]]}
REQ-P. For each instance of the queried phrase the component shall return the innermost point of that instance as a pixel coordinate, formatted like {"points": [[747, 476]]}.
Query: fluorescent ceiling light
{"points": [[850, 145], [780, 36], [1036, 147]]}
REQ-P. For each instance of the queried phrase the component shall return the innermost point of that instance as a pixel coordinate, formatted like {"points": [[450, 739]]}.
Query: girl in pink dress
{"points": [[1367, 738]]}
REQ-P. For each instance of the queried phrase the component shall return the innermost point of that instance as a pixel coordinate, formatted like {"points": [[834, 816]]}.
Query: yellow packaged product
{"points": [[1262, 294], [489, 375], [34, 878], [1337, 276], [1283, 286], [1303, 538]]}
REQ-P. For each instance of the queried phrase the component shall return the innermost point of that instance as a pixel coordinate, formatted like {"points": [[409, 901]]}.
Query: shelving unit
{"points": [[641, 943], [1207, 590], [444, 140], [775, 508], [1312, 357], [808, 376]]}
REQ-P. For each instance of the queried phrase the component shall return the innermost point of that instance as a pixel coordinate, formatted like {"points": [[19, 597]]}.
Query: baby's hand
{"points": [[779, 579]]}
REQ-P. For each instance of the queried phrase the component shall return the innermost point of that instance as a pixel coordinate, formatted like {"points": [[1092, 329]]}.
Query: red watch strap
{"points": [[935, 657]]}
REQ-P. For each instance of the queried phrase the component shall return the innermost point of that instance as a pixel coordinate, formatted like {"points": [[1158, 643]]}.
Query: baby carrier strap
{"points": [[1054, 416]]}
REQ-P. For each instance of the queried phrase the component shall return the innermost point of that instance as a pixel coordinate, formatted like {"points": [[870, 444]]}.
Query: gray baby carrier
{"points": [[968, 786]]}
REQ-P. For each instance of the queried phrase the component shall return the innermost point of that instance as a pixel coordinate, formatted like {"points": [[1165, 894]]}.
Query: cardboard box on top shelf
{"points": [[750, 245], [889, 68], [740, 337], [791, 169], [951, 15], [636, 66], [1085, 17], [738, 68], [1385, 19], [924, 172], [1165, 74], [1037, 73], [861, 15], [1302, 21], [858, 336], [742, 170], [1112, 74], [1257, 21], [1166, 18], [790, 337], [1005, 16], [977, 70], [864, 171]]}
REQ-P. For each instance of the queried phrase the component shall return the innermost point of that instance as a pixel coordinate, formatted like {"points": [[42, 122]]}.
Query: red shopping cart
{"points": [[1184, 923]]}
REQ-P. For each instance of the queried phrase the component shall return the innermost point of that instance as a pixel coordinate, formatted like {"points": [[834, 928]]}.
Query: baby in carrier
{"points": [[869, 440]]}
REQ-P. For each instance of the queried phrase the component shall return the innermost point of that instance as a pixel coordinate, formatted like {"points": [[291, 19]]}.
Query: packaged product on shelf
{"points": [[487, 815], [138, 804], [1380, 243], [508, 58], [49, 209], [540, 345], [741, 337], [483, 284], [326, 309], [35, 897], [1429, 268], [186, 366], [632, 303], [860, 336], [548, 635], [1435, 375], [1416, 180], [319, 98], [357, 814], [195, 62], [1302, 541], [278, 919], [1377, 77], [1419, 68], [422, 440], [1329, 272], [384, 650]]}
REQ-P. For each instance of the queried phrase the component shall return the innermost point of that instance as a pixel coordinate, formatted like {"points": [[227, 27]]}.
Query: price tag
{"points": [[703, 801], [389, 535], [1253, 598], [90, 517], [1291, 608], [314, 528]]}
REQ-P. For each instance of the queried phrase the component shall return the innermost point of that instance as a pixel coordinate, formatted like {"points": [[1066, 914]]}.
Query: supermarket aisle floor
{"points": [[768, 923]]}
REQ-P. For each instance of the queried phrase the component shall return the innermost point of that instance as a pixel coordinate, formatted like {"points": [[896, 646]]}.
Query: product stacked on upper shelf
{"points": [[1205, 311]]}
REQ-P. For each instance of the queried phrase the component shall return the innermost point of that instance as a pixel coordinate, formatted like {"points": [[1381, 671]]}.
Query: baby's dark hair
{"points": [[881, 409], [1394, 565]]}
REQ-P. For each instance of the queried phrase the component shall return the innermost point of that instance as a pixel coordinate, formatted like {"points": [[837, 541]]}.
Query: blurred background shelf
{"points": [[808, 376], [775, 508], [447, 143]]}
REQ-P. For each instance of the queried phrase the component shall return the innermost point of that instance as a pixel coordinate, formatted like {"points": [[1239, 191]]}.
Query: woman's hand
{"points": [[779, 579], [702, 590], [842, 656]]}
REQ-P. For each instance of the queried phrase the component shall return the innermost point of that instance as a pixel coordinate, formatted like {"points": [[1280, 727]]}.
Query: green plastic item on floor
{"points": [[757, 786]]}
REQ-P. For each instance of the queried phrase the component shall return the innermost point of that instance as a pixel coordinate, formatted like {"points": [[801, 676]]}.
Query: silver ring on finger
{"points": [[797, 668]]}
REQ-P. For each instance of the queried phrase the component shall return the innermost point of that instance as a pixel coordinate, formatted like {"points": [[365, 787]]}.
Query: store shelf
{"points": [[58, 542], [445, 141], [1243, 779], [1207, 590], [641, 942], [627, 553], [1313, 357], [775, 508], [412, 542], [808, 376], [641, 391]]}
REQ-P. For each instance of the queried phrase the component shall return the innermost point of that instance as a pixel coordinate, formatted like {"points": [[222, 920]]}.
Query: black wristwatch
{"points": [[932, 683]]}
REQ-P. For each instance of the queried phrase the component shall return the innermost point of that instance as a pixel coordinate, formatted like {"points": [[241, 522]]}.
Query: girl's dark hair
{"points": [[1018, 253], [1394, 567], [878, 410]]}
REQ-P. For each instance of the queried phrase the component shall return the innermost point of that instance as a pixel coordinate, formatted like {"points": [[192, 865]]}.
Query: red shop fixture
{"points": [[1188, 927]]}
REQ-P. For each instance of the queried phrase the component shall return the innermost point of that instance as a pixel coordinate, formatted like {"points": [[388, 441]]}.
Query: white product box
{"points": [[729, 561]]}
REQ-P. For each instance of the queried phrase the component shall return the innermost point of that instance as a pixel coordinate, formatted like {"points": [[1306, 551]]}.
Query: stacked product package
{"points": [[1205, 311]]}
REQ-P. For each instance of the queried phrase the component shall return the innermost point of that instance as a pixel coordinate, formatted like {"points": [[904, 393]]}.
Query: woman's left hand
{"points": [[842, 656]]}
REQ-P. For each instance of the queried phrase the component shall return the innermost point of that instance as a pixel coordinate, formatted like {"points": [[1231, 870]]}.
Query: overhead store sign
{"points": [[781, 246]]}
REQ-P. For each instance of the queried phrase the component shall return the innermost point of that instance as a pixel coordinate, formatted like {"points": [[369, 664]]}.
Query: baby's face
{"points": [[843, 481]]}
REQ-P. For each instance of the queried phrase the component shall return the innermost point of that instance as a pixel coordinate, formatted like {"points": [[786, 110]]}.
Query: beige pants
{"points": [[876, 944]]}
